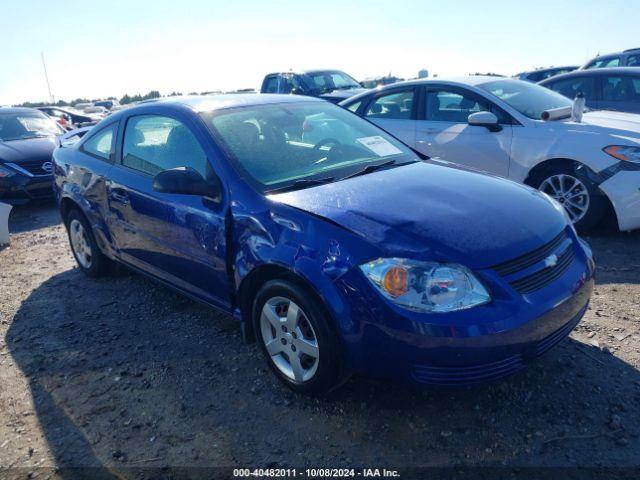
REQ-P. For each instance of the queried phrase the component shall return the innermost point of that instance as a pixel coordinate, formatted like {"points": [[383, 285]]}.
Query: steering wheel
{"points": [[326, 141], [336, 148]]}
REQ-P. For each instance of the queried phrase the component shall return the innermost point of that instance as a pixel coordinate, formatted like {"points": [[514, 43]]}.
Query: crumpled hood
{"points": [[31, 149], [433, 212]]}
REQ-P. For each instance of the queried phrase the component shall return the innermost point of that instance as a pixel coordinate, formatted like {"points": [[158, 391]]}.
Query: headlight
{"points": [[5, 172], [426, 286], [626, 153]]}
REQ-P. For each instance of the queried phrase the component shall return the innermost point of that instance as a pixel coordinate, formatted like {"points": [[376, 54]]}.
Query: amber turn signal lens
{"points": [[395, 281]]}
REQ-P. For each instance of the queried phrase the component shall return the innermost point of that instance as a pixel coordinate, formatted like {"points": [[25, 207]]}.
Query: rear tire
{"points": [[296, 338], [580, 197], [84, 246]]}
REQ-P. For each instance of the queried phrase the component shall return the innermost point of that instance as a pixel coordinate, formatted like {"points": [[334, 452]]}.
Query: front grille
{"points": [[529, 281], [470, 375], [531, 258], [544, 277], [34, 167]]}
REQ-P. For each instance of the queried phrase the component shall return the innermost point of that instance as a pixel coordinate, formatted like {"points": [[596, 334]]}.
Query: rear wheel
{"points": [[578, 195], [296, 338], [84, 247]]}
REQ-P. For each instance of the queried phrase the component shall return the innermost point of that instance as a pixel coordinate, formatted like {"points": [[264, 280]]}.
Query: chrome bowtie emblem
{"points": [[551, 261], [47, 167]]}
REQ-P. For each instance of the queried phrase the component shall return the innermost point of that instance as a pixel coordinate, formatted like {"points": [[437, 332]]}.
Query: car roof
{"points": [[306, 72], [205, 103], [634, 71], [16, 110], [548, 69], [464, 81]]}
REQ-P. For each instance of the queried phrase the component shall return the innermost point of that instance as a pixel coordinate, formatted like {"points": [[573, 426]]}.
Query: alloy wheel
{"points": [[289, 339], [570, 192], [80, 243]]}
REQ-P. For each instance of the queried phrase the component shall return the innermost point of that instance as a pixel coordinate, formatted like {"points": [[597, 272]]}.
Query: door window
{"points": [[452, 106], [154, 143], [620, 89], [633, 60], [571, 86], [396, 105], [271, 85], [102, 144]]}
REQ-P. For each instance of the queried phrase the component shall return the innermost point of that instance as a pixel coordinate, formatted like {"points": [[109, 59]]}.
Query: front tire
{"points": [[90, 259], [580, 197], [296, 338]]}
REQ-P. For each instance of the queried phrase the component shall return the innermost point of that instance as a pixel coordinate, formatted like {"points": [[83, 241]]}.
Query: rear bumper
{"points": [[623, 190], [20, 189]]}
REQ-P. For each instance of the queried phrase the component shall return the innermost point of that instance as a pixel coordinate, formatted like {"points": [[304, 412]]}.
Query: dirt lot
{"points": [[123, 373]]}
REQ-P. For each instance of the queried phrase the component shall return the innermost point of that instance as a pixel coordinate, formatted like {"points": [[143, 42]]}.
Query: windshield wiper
{"points": [[303, 183], [370, 169]]}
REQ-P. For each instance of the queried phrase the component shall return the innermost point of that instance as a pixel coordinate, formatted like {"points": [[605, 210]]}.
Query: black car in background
{"points": [[331, 85], [604, 88], [536, 76], [27, 140]]}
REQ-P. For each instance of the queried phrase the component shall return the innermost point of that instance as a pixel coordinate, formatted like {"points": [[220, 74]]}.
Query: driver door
{"points": [[443, 130], [177, 238]]}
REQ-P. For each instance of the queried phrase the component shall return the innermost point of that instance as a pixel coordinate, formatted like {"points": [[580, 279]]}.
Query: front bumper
{"points": [[20, 188], [466, 347], [623, 190]]}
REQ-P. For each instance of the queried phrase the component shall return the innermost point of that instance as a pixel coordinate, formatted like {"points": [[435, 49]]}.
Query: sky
{"points": [[95, 49]]}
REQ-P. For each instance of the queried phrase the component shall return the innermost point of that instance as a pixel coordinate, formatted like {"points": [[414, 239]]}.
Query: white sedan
{"points": [[495, 124]]}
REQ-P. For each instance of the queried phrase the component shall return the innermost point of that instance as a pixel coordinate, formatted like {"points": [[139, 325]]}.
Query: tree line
{"points": [[123, 101]]}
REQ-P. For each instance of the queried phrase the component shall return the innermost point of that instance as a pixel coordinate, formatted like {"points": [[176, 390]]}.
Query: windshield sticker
{"points": [[379, 146]]}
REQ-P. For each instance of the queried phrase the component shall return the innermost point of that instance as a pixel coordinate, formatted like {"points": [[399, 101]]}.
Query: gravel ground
{"points": [[123, 373]]}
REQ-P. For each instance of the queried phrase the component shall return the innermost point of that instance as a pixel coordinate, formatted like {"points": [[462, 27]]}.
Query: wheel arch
{"points": [[556, 163], [66, 205], [575, 166], [256, 278]]}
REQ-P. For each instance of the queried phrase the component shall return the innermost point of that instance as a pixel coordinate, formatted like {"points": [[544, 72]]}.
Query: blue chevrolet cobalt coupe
{"points": [[334, 246]]}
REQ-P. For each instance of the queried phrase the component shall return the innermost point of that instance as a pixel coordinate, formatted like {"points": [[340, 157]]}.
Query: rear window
{"points": [[604, 62]]}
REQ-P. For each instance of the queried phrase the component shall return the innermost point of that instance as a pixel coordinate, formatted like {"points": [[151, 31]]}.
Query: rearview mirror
{"points": [[185, 181], [484, 119]]}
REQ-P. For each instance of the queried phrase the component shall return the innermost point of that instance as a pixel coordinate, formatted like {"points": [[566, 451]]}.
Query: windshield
{"points": [[292, 145], [527, 98], [331, 80], [26, 125]]}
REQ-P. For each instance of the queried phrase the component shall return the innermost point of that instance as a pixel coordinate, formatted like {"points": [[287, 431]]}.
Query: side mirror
{"points": [[296, 91], [186, 181], [485, 119]]}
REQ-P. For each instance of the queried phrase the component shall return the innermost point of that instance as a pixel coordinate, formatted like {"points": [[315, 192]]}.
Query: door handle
{"points": [[431, 130], [119, 195]]}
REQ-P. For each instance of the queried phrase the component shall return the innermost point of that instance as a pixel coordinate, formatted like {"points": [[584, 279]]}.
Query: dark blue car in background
{"points": [[541, 74], [27, 140], [335, 247], [604, 88]]}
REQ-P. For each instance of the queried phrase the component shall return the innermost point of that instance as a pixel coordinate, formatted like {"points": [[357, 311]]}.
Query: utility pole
{"points": [[46, 77]]}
